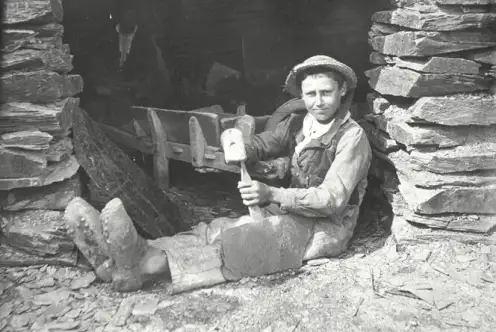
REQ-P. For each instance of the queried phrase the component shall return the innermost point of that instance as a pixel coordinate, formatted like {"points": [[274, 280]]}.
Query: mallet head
{"points": [[233, 145]]}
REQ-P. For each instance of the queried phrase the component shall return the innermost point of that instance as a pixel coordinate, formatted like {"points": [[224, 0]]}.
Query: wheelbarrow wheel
{"points": [[294, 105]]}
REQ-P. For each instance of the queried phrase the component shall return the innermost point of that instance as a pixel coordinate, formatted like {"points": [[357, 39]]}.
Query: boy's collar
{"points": [[326, 139]]}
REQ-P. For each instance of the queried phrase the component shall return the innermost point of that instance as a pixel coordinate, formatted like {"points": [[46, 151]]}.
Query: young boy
{"points": [[315, 217]]}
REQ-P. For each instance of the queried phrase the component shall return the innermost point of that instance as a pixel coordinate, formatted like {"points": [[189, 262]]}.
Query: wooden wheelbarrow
{"points": [[189, 136]]}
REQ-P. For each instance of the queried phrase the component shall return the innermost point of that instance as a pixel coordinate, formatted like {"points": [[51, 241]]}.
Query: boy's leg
{"points": [[193, 257], [135, 260], [275, 244], [83, 223], [228, 249]]}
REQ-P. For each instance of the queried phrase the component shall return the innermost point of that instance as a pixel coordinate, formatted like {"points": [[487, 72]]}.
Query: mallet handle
{"points": [[255, 211]]}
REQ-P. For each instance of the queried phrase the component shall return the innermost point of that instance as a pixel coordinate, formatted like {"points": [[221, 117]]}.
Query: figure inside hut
{"points": [[328, 155], [141, 62]]}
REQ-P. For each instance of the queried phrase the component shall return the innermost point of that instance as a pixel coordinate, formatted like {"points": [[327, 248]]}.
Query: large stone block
{"points": [[38, 87], [39, 232], [465, 109], [456, 110], [468, 157], [32, 36], [465, 158], [32, 11], [424, 6], [476, 223], [408, 83], [484, 56], [16, 163], [59, 149], [465, 2], [379, 104], [435, 3], [387, 41], [454, 199], [14, 39], [434, 21], [407, 234], [436, 64], [424, 179], [440, 65], [417, 135], [55, 117], [53, 59], [26, 140], [378, 138], [54, 196], [54, 172]]}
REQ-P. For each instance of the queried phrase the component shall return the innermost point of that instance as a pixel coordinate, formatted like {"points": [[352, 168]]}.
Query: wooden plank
{"points": [[197, 142], [175, 122], [177, 151], [114, 174], [160, 155], [143, 144], [230, 122], [183, 152]]}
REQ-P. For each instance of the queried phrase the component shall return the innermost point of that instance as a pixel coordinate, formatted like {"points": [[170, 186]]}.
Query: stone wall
{"points": [[433, 117], [38, 168]]}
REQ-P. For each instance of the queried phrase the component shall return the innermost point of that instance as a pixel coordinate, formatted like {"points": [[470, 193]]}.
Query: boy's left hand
{"points": [[254, 193]]}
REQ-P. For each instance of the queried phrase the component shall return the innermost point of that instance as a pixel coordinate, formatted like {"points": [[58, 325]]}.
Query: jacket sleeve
{"points": [[351, 164], [273, 144]]}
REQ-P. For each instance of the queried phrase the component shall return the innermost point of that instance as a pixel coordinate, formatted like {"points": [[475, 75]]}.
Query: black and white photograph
{"points": [[248, 165]]}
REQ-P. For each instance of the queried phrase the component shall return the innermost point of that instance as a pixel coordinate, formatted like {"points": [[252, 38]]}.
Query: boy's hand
{"points": [[254, 193]]}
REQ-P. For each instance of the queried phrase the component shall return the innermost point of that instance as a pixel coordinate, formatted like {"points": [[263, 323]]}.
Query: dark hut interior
{"points": [[178, 41]]}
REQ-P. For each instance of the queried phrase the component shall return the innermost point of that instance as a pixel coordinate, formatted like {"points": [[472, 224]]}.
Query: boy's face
{"points": [[322, 94]]}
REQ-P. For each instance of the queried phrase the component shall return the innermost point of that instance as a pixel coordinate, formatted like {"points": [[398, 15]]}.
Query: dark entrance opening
{"points": [[178, 41]]}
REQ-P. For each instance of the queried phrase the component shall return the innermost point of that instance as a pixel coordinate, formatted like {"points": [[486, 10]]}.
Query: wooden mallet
{"points": [[234, 151]]}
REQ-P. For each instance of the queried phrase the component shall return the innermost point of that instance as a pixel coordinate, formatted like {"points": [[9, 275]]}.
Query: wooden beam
{"points": [[260, 122], [114, 174], [160, 156], [143, 144], [197, 142]]}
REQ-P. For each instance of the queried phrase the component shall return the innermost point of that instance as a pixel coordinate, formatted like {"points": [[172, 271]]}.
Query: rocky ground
{"points": [[376, 286]]}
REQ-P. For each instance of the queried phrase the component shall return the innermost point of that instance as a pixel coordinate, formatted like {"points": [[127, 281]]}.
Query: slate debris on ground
{"points": [[434, 283]]}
